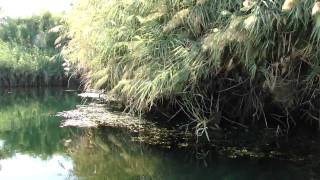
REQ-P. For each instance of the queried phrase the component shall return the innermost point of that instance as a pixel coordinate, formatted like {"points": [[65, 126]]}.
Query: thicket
{"points": [[252, 62], [30, 52]]}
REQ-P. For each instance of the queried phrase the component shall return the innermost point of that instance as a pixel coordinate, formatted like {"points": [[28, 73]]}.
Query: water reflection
{"points": [[32, 146], [31, 141], [109, 154], [28, 124], [26, 167]]}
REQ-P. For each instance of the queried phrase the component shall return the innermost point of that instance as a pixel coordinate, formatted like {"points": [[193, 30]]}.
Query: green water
{"points": [[32, 146]]}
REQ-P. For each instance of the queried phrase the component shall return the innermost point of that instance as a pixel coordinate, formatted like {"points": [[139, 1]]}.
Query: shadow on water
{"points": [[32, 146]]}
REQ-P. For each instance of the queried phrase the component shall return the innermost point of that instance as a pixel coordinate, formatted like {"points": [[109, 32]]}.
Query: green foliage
{"points": [[216, 60], [28, 56]]}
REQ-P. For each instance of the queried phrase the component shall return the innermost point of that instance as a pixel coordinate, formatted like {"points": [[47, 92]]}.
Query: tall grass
{"points": [[229, 61], [28, 56]]}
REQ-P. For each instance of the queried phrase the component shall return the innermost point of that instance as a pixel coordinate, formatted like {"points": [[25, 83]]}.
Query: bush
{"points": [[28, 56]]}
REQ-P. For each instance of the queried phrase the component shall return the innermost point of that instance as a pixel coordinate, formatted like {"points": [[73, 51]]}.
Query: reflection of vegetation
{"points": [[111, 155], [28, 124]]}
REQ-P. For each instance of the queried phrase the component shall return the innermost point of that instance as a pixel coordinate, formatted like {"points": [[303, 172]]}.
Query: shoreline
{"points": [[237, 144]]}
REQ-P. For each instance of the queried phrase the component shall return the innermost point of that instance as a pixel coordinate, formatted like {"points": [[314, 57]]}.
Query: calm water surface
{"points": [[32, 146]]}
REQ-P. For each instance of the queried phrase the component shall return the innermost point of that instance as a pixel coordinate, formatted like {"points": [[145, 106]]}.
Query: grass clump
{"points": [[219, 62]]}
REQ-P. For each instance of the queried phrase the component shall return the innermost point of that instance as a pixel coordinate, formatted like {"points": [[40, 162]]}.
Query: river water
{"points": [[33, 146]]}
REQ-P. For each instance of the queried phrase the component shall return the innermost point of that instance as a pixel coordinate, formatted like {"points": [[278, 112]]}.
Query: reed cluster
{"points": [[252, 62]]}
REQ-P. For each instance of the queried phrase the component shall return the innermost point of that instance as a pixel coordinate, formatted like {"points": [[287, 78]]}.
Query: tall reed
{"points": [[230, 61]]}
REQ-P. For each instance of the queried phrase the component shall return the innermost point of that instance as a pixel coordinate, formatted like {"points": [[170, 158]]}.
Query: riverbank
{"points": [[232, 142]]}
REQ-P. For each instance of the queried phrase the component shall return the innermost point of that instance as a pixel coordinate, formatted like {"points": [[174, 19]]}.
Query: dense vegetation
{"points": [[231, 61], [29, 55]]}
